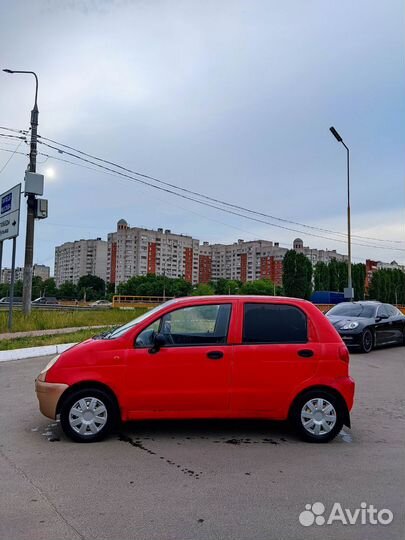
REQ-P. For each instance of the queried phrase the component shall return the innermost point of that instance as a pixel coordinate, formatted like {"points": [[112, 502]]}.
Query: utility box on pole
{"points": [[41, 211], [34, 183]]}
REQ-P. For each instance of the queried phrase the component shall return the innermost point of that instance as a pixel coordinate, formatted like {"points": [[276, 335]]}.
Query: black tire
{"points": [[366, 341], [298, 408], [104, 422]]}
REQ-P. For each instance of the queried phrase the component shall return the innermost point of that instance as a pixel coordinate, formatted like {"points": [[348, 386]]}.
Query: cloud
{"points": [[230, 98]]}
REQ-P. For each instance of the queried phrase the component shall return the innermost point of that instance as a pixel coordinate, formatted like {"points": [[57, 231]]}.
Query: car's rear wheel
{"points": [[366, 341], [318, 416], [88, 415]]}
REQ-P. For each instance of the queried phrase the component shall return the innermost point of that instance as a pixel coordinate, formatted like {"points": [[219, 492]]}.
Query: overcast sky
{"points": [[230, 98]]}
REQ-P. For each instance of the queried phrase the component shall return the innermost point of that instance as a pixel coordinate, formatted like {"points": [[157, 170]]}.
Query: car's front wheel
{"points": [[366, 341], [88, 415], [318, 416]]}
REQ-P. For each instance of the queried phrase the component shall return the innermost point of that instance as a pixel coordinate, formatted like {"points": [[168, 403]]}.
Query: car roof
{"points": [[245, 297], [367, 302]]}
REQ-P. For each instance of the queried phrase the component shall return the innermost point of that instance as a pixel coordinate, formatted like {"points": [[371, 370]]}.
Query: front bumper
{"points": [[48, 395], [350, 339]]}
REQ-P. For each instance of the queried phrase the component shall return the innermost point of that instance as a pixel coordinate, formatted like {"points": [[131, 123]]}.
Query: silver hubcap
{"points": [[318, 416], [88, 416]]}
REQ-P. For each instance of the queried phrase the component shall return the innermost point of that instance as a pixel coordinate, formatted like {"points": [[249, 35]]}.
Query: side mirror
{"points": [[381, 318], [159, 341]]}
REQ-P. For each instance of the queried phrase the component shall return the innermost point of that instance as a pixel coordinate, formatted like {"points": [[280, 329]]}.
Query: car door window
{"points": [[272, 323], [382, 312], [145, 338], [391, 310], [196, 325]]}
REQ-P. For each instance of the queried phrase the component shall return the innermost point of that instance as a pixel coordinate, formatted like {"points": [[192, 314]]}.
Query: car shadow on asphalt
{"points": [[217, 431]]}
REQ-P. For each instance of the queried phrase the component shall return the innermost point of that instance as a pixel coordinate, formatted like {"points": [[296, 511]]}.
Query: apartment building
{"points": [[39, 270], [42, 271], [79, 258], [257, 259], [242, 261], [134, 251], [317, 255], [373, 266]]}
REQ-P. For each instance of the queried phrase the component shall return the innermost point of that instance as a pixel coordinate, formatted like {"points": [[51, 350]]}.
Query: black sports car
{"points": [[365, 325]]}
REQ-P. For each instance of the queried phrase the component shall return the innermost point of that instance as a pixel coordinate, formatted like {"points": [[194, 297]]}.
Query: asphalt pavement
{"points": [[221, 480]]}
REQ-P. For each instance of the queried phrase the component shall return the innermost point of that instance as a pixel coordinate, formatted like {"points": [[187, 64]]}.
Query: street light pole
{"points": [[31, 202], [349, 232]]}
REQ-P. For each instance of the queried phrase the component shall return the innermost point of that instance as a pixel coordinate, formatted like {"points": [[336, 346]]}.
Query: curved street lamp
{"points": [[350, 292], [31, 201]]}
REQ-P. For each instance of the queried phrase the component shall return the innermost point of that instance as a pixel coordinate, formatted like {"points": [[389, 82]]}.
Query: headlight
{"points": [[51, 363], [350, 326]]}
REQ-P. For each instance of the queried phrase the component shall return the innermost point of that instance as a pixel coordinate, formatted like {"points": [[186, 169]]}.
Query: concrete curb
{"points": [[32, 352]]}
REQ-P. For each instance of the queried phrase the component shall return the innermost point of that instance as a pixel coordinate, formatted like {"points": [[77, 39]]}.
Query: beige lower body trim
{"points": [[48, 395]]}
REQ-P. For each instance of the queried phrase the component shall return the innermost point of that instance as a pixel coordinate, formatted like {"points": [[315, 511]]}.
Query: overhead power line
{"points": [[201, 195], [195, 194], [14, 130], [204, 203], [12, 155]]}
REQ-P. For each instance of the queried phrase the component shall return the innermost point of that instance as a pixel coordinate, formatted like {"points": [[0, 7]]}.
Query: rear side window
{"points": [[274, 323]]}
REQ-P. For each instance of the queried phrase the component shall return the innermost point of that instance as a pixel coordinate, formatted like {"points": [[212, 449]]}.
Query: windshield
{"points": [[354, 310], [118, 332]]}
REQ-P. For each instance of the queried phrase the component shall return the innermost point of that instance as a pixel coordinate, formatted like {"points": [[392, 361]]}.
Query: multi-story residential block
{"points": [[243, 261], [133, 251], [257, 259], [39, 270], [317, 255], [373, 266], [79, 258], [42, 271]]}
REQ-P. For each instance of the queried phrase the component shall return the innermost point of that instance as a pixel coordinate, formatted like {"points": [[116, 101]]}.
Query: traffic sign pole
{"points": [[1, 257], [10, 305]]}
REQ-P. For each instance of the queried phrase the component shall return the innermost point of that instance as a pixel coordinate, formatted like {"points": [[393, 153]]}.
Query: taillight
{"points": [[344, 354]]}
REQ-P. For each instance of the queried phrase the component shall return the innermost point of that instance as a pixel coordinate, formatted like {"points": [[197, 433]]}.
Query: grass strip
{"points": [[51, 319], [38, 341]]}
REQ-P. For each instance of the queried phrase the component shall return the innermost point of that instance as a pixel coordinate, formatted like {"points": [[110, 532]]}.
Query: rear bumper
{"points": [[48, 395], [346, 388]]}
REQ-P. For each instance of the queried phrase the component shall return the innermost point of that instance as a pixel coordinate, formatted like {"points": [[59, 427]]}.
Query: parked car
{"points": [[45, 300], [205, 357], [365, 325], [6, 300], [101, 303]]}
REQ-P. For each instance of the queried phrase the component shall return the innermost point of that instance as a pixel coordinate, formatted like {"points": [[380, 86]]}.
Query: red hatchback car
{"points": [[206, 357]]}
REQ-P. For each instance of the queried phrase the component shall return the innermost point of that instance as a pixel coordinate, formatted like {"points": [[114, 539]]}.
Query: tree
{"points": [[67, 291], [4, 288], [321, 276], [203, 289], [18, 288], [49, 287], [359, 278], [94, 286], [297, 275], [388, 285], [227, 286], [37, 287], [152, 285], [260, 286]]}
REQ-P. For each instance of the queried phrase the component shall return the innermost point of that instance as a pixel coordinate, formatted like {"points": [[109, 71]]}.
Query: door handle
{"points": [[306, 353], [215, 355]]}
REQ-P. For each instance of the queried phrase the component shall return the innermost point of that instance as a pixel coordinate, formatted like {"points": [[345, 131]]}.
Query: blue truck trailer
{"points": [[327, 297]]}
